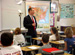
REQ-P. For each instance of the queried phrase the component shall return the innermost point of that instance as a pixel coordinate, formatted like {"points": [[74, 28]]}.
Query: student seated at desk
{"points": [[7, 45], [69, 40], [55, 35], [19, 38], [45, 41]]}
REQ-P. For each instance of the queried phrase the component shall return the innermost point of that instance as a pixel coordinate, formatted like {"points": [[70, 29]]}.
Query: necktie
{"points": [[33, 22]]}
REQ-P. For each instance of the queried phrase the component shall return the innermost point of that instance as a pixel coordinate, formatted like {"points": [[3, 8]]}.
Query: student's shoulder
{"points": [[66, 39], [26, 17], [16, 47], [41, 47], [52, 36]]}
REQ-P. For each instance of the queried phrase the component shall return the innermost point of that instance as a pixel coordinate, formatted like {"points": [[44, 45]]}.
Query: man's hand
{"points": [[33, 24]]}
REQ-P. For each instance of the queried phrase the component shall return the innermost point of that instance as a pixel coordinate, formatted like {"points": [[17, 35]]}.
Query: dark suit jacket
{"points": [[28, 24]]}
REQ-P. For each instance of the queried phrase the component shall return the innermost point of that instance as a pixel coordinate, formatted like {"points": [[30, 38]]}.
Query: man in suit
{"points": [[30, 23]]}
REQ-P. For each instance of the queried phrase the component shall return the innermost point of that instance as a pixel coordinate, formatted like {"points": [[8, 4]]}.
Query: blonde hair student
{"points": [[19, 38], [69, 40], [55, 35]]}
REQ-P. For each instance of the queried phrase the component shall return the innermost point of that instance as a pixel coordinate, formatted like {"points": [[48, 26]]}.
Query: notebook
{"points": [[50, 49]]}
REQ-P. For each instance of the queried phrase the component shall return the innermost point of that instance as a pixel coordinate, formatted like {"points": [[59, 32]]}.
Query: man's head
{"points": [[31, 11], [45, 39], [7, 39]]}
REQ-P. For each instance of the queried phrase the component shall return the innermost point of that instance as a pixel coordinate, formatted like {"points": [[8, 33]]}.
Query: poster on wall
{"points": [[54, 6], [41, 13], [67, 11], [52, 18]]}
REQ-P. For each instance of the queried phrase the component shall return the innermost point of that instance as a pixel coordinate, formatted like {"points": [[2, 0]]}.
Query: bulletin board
{"points": [[67, 11]]}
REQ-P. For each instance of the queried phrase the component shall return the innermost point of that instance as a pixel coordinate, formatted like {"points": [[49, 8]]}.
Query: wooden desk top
{"points": [[64, 36], [64, 54], [28, 49], [67, 54], [37, 39], [0, 44], [57, 42], [54, 42], [39, 54], [39, 33]]}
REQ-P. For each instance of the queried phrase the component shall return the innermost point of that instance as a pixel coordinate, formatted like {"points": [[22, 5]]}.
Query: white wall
{"points": [[10, 14], [68, 21], [0, 15]]}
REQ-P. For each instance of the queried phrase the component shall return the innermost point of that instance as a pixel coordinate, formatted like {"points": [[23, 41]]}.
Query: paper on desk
{"points": [[33, 47], [39, 37], [60, 41]]}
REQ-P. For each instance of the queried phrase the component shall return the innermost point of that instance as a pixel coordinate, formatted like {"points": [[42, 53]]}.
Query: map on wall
{"points": [[41, 13], [67, 11]]}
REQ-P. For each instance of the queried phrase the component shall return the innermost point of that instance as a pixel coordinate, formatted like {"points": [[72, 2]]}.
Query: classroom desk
{"points": [[64, 54], [49, 33], [39, 54], [37, 39], [54, 42], [0, 44], [67, 54], [63, 36], [28, 49], [57, 42]]}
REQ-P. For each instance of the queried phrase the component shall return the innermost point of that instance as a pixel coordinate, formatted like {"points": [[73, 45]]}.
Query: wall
{"points": [[68, 21], [10, 14], [0, 15]]}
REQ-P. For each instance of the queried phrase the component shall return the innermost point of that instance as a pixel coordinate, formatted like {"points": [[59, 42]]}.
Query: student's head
{"points": [[69, 32], [54, 30], [7, 39], [45, 39], [31, 11], [17, 31]]}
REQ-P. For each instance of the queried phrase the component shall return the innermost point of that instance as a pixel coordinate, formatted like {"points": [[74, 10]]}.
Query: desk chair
{"points": [[73, 50], [29, 40]]}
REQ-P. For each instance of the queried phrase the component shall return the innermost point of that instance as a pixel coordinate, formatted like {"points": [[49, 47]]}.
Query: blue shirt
{"points": [[70, 42]]}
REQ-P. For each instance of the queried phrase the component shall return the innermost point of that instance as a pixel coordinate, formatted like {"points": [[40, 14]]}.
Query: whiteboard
{"points": [[10, 14], [0, 15]]}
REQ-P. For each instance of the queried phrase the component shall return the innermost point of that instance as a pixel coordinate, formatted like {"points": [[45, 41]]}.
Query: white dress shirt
{"points": [[31, 17]]}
